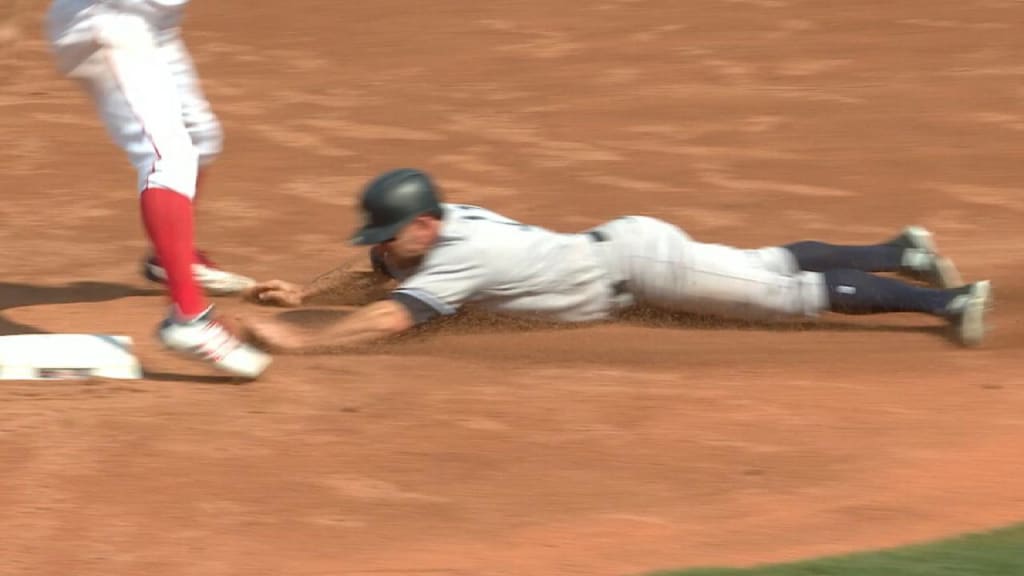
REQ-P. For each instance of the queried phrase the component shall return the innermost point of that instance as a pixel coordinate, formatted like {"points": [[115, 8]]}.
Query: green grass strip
{"points": [[997, 553]]}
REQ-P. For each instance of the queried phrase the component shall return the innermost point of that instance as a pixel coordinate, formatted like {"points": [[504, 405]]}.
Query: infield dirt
{"points": [[477, 450]]}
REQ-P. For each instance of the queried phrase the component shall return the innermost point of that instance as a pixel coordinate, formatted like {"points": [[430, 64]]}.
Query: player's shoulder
{"points": [[470, 219], [474, 213], [468, 235]]}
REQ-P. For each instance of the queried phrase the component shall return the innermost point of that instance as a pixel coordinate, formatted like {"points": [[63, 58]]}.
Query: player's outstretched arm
{"points": [[365, 325], [343, 284], [275, 293]]}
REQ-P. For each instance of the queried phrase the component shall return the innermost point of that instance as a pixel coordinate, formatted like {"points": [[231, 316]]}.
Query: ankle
{"points": [[180, 317], [915, 259]]}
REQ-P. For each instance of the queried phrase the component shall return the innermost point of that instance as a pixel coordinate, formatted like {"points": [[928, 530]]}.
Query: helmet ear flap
{"points": [[392, 200]]}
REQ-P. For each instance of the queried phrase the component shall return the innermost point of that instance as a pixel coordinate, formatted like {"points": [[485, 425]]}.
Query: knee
{"points": [[207, 139], [775, 259], [172, 167], [812, 294]]}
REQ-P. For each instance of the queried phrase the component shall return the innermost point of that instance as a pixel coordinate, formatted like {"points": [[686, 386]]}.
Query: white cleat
{"points": [[206, 339], [966, 313], [213, 279], [922, 262]]}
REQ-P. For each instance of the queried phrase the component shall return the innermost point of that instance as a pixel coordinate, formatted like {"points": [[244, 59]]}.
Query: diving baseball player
{"points": [[128, 55], [443, 256]]}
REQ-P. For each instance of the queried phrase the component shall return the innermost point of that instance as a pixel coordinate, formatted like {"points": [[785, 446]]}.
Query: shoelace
{"points": [[218, 342]]}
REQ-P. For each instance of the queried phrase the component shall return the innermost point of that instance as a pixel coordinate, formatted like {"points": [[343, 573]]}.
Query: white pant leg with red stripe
{"points": [[202, 124], [130, 58]]}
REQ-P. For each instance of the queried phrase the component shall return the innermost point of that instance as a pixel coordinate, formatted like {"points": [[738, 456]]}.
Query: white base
{"points": [[67, 357]]}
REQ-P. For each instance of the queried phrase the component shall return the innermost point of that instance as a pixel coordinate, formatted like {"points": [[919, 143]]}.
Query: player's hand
{"points": [[275, 293], [271, 335]]}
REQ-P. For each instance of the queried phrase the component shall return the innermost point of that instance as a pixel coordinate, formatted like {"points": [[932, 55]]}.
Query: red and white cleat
{"points": [[206, 339], [213, 279]]}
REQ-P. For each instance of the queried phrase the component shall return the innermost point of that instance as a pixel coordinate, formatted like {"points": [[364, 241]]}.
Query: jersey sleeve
{"points": [[447, 280]]}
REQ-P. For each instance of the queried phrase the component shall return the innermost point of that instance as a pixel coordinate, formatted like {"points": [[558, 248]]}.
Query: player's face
{"points": [[414, 240]]}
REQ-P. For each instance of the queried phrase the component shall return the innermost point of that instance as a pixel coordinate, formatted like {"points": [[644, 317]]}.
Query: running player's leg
{"points": [[207, 138], [139, 104], [667, 269], [723, 274], [911, 254], [114, 56], [964, 307], [720, 279], [814, 256], [202, 124]]}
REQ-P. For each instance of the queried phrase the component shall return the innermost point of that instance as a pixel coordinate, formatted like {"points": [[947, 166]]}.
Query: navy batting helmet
{"points": [[393, 200]]}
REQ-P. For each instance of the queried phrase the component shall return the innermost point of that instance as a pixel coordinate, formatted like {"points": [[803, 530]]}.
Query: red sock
{"points": [[168, 218]]}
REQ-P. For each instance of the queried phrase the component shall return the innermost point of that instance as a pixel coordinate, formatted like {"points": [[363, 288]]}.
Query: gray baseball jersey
{"points": [[485, 258], [504, 265]]}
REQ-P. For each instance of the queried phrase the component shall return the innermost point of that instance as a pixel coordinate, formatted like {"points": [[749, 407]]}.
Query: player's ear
{"points": [[424, 221]]}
